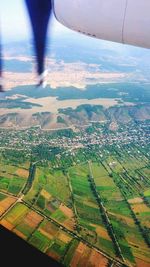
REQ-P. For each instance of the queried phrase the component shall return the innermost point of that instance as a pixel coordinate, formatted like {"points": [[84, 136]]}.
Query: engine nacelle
{"points": [[123, 21]]}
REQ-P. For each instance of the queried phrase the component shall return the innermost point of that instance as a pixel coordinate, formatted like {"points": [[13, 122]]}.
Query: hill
{"points": [[82, 115]]}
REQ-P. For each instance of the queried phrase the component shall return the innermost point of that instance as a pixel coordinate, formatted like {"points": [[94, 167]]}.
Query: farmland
{"points": [[89, 205], [12, 178]]}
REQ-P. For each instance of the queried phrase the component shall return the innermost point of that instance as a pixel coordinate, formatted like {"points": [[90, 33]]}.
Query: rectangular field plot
{"points": [[28, 224], [84, 256], [53, 183], [21, 220], [64, 216], [142, 212], [49, 194], [49, 238], [40, 241], [85, 202], [5, 203], [114, 164], [90, 223], [109, 192], [14, 216], [12, 178]]}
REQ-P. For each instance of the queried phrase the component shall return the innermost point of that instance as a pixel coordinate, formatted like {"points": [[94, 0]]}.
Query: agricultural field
{"points": [[50, 194], [12, 178], [119, 213], [89, 220], [50, 238], [48, 183], [6, 202], [93, 213]]}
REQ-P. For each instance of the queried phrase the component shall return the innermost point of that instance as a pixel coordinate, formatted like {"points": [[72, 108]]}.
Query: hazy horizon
{"points": [[15, 24], [15, 27]]}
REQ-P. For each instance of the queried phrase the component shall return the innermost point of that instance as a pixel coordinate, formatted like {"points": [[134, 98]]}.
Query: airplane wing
{"points": [[123, 21]]}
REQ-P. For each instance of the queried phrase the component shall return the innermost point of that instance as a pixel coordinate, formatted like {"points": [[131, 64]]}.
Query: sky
{"points": [[15, 23], [15, 26]]}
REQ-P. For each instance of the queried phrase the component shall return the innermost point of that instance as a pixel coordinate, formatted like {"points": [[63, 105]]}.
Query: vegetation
{"points": [[11, 104], [96, 197]]}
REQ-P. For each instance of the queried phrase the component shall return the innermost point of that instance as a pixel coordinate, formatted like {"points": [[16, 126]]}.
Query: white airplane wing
{"points": [[123, 21]]}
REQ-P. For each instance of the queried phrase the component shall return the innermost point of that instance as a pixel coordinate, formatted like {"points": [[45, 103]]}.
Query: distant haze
{"points": [[15, 23], [14, 26]]}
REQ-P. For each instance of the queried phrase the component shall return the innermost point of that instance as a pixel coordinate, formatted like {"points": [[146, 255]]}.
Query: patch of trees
{"points": [[44, 152], [15, 156], [60, 120], [31, 177]]}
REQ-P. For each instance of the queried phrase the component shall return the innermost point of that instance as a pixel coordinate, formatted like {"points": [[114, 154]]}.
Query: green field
{"points": [[88, 213], [62, 207], [12, 178], [53, 182]]}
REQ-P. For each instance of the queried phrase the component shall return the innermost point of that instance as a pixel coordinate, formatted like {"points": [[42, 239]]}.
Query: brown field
{"points": [[78, 254], [64, 237], [53, 255], [50, 236], [85, 257], [68, 212], [102, 232], [22, 173], [141, 263], [7, 224], [142, 258], [135, 200], [69, 224], [33, 219], [137, 208], [50, 208], [16, 217], [18, 233], [45, 194], [5, 204], [97, 260], [49, 228]]}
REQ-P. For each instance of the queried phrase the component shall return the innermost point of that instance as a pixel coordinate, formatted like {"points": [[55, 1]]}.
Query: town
{"points": [[94, 134]]}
